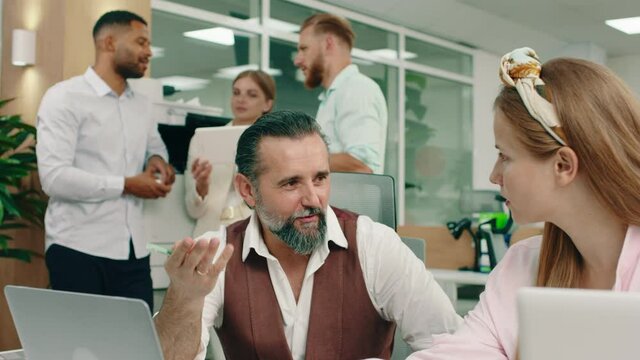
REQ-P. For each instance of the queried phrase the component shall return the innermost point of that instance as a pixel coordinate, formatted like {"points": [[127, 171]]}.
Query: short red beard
{"points": [[315, 74]]}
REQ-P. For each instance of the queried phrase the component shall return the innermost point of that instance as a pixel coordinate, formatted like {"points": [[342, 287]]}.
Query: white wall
{"points": [[582, 50], [628, 68], [485, 89]]}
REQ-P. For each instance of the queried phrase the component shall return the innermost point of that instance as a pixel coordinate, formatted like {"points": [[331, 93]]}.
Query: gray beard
{"points": [[302, 242]]}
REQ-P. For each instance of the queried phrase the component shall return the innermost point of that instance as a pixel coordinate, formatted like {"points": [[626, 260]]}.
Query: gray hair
{"points": [[279, 124]]}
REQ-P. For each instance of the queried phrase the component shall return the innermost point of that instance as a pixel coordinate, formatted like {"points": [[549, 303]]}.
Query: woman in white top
{"points": [[210, 196]]}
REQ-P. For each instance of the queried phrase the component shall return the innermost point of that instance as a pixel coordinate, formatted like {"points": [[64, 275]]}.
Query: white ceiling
{"points": [[498, 26]]}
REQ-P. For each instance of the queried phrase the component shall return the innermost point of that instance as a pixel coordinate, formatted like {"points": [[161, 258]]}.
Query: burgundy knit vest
{"points": [[343, 323]]}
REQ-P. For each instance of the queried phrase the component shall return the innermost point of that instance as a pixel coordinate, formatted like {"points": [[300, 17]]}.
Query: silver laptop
{"points": [[572, 324], [65, 325]]}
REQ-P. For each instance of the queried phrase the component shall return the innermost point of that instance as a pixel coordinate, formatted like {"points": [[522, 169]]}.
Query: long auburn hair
{"points": [[600, 121]]}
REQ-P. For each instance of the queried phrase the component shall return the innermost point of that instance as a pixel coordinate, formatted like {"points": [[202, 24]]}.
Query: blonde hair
{"points": [[333, 24], [600, 120], [264, 81]]}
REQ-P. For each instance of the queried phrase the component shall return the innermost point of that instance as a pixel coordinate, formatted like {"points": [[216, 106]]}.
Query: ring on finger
{"points": [[201, 273]]}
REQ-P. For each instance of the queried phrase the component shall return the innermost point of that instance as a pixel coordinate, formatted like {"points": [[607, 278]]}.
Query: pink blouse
{"points": [[490, 330]]}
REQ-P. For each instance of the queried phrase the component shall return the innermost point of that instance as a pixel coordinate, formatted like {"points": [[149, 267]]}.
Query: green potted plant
{"points": [[19, 205]]}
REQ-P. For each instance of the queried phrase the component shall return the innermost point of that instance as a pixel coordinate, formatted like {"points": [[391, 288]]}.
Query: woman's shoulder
{"points": [[524, 251], [520, 263], [528, 245]]}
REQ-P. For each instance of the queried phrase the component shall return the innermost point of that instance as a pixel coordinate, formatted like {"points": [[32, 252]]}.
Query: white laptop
{"points": [[217, 144], [572, 324], [55, 325]]}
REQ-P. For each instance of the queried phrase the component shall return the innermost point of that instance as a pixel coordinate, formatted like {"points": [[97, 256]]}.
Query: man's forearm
{"points": [[73, 184], [346, 162], [179, 326]]}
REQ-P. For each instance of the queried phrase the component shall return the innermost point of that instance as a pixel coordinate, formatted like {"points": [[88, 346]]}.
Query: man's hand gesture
{"points": [[157, 165]]}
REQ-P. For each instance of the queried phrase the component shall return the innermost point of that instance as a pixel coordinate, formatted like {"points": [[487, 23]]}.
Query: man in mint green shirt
{"points": [[352, 111]]}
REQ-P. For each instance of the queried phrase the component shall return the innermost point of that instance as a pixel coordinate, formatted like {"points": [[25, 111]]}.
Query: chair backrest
{"points": [[401, 350], [417, 245], [366, 194]]}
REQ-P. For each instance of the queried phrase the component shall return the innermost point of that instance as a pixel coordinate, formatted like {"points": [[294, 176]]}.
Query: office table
{"points": [[449, 280]]}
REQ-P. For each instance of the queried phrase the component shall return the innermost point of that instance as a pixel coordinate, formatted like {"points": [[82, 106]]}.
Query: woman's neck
{"points": [[242, 122], [598, 234]]}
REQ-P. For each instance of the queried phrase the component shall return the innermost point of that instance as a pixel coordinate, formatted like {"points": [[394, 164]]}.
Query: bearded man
{"points": [[352, 111], [303, 279]]}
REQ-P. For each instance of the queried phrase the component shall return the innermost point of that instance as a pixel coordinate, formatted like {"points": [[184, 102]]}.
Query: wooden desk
{"points": [[442, 251], [445, 255]]}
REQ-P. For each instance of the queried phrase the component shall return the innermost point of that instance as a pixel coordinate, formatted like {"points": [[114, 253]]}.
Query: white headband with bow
{"points": [[521, 69]]}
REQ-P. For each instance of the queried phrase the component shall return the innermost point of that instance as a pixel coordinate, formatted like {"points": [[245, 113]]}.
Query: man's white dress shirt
{"points": [[353, 116], [89, 140], [399, 286]]}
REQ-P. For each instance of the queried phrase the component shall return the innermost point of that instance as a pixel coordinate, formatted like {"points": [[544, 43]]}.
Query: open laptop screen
{"points": [[65, 325], [571, 324]]}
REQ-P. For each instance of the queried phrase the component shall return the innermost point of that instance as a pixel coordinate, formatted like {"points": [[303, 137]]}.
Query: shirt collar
{"points": [[342, 76], [629, 259], [253, 238], [100, 86]]}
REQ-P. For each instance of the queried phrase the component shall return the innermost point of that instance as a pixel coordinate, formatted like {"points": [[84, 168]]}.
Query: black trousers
{"points": [[72, 270]]}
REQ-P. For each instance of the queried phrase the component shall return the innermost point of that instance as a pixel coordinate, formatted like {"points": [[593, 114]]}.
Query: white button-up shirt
{"points": [[353, 116], [399, 286], [89, 140]]}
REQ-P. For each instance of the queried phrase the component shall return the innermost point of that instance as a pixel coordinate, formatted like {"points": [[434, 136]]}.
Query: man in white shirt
{"points": [[302, 279], [352, 111], [95, 137]]}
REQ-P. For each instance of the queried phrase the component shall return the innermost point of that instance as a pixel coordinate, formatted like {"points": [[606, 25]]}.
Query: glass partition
{"points": [[439, 57], [437, 141], [290, 16], [241, 9], [387, 78], [438, 148], [200, 69], [375, 41]]}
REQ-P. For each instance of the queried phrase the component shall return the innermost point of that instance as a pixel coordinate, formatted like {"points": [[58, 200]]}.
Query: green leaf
{"points": [[4, 241], [12, 226], [24, 157], [11, 120], [13, 171], [8, 202], [17, 205], [21, 136], [9, 161], [19, 254], [9, 181], [32, 206], [5, 101], [8, 142], [11, 126]]}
